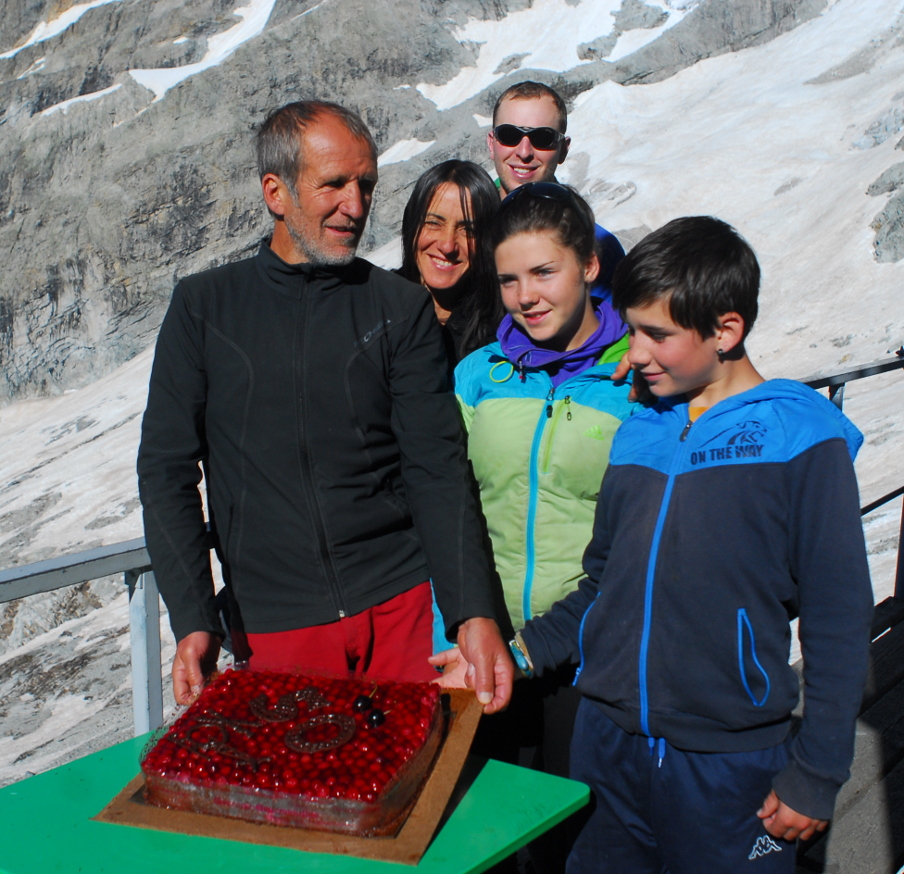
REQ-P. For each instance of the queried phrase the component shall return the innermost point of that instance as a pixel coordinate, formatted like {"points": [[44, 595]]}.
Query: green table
{"points": [[47, 827]]}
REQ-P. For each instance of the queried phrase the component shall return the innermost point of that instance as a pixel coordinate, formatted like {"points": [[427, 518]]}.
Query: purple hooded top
{"points": [[523, 352]]}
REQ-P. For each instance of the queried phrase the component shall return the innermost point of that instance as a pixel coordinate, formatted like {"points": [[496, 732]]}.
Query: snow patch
{"points": [[634, 40], [65, 105], [34, 68], [544, 37], [254, 17], [402, 151], [388, 256], [45, 30]]}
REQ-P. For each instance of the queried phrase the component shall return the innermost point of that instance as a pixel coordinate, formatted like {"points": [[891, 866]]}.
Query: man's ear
{"points": [[276, 195], [730, 331], [491, 143], [563, 149]]}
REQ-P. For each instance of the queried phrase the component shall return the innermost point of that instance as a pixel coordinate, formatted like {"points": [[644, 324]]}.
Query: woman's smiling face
{"points": [[443, 245], [545, 289]]}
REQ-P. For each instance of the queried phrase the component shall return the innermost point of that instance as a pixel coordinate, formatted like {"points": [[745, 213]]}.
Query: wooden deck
{"points": [[867, 833]]}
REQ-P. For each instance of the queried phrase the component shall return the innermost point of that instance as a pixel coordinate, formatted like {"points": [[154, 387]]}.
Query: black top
{"points": [[317, 401]]}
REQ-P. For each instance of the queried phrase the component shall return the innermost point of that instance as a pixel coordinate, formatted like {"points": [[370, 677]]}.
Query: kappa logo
{"points": [[763, 846]]}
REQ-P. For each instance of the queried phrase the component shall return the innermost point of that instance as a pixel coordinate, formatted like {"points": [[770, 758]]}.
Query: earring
{"points": [[720, 354]]}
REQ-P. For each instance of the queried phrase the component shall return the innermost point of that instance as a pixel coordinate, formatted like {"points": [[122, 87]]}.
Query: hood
{"points": [[523, 352], [789, 390]]}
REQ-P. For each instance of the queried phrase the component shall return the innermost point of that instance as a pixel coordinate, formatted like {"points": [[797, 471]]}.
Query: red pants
{"points": [[390, 641]]}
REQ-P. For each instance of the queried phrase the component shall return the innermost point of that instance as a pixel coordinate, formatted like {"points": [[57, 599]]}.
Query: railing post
{"points": [[899, 572], [144, 635], [836, 395]]}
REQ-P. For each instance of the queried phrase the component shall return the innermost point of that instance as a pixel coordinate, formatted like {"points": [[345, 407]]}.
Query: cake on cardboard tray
{"points": [[344, 755]]}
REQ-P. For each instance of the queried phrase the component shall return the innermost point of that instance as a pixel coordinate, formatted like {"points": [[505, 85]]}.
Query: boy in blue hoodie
{"points": [[729, 507]]}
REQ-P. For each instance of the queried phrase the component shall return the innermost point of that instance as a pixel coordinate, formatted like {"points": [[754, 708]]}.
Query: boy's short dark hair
{"points": [[702, 264]]}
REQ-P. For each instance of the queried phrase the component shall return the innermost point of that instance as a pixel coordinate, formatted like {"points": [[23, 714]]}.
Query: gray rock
{"points": [[713, 28], [887, 125], [104, 204], [891, 180], [25, 618], [889, 224], [633, 15], [889, 228]]}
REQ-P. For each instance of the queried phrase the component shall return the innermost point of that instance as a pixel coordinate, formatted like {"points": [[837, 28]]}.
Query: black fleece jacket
{"points": [[317, 401]]}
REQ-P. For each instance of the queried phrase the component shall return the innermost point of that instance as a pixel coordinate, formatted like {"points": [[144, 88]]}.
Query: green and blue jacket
{"points": [[539, 454]]}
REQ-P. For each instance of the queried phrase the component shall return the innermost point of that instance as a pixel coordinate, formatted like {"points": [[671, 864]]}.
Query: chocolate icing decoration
{"points": [[294, 739], [286, 707], [219, 745]]}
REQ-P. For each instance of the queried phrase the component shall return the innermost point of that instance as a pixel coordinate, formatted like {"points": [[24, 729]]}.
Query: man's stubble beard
{"points": [[315, 255], [312, 252]]}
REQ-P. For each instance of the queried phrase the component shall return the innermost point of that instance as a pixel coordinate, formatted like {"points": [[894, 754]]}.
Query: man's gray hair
{"points": [[280, 139]]}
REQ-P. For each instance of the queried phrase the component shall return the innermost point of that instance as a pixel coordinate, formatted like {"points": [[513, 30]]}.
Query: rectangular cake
{"points": [[343, 755]]}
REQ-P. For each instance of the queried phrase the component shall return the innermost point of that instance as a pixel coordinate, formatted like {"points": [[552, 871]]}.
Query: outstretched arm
{"points": [[173, 443]]}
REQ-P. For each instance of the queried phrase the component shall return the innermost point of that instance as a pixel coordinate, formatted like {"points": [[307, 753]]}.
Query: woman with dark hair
{"points": [[449, 211]]}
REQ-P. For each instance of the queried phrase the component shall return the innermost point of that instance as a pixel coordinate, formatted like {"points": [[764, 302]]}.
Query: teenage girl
{"points": [[541, 408]]}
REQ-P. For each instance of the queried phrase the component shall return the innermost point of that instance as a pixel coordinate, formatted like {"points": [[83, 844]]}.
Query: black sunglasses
{"points": [[542, 138], [550, 191]]}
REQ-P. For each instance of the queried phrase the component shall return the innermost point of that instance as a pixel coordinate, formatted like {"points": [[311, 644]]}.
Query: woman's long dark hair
{"points": [[479, 304]]}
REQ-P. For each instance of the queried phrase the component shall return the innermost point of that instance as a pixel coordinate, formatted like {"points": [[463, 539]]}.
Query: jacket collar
{"points": [[295, 279]]}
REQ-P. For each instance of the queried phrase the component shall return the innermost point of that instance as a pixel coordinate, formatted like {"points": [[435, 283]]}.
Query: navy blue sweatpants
{"points": [[660, 810]]}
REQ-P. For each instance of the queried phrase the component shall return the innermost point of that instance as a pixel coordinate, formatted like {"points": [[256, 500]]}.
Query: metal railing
{"points": [[132, 560], [835, 383]]}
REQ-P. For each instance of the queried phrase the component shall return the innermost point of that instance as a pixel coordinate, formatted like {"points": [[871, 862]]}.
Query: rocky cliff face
{"points": [[111, 186]]}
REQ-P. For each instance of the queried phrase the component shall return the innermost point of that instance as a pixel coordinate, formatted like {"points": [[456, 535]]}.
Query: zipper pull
{"points": [[549, 397], [567, 411], [687, 428]]}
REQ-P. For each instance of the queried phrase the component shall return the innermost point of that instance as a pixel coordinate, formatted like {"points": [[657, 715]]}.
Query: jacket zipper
{"points": [[563, 407], [675, 466], [306, 467], [577, 673], [533, 489]]}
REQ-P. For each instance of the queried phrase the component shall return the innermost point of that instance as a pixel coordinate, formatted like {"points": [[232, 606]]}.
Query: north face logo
{"points": [[763, 846]]}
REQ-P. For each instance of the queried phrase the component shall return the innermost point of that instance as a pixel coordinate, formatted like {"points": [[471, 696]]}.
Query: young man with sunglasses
{"points": [[527, 144]]}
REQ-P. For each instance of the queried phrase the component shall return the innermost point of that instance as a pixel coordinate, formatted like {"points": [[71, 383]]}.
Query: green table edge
{"points": [[50, 815]]}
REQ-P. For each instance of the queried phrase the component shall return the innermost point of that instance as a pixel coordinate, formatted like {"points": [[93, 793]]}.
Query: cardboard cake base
{"points": [[407, 847]]}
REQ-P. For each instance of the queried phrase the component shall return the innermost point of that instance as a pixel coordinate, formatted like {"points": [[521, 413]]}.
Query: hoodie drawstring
{"points": [[654, 743]]}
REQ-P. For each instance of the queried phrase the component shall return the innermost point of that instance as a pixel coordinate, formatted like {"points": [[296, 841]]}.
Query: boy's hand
{"points": [[787, 824]]}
